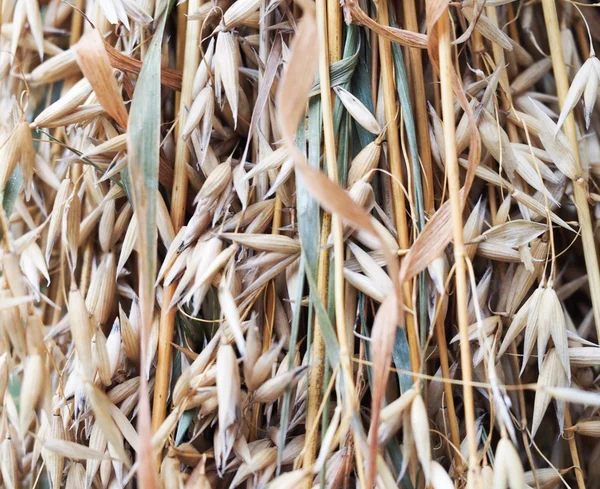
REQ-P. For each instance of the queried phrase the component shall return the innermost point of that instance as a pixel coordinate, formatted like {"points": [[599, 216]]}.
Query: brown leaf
{"points": [[434, 238], [93, 60], [382, 342]]}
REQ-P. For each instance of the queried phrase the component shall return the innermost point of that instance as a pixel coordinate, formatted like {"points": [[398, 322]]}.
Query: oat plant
{"points": [[311, 244]]}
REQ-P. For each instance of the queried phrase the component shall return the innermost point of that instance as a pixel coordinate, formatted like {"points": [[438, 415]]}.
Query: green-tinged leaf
{"points": [[11, 191], [184, 423], [351, 52], [327, 330], [126, 183], [340, 73], [287, 398], [360, 87], [344, 149], [401, 356], [393, 446], [409, 123], [143, 148], [307, 206]]}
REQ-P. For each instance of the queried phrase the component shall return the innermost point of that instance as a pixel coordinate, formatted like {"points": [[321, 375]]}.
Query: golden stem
{"points": [[573, 450], [349, 400], [446, 69], [419, 99], [315, 392], [180, 50], [452, 419], [394, 158], [315, 386], [178, 206], [579, 186]]}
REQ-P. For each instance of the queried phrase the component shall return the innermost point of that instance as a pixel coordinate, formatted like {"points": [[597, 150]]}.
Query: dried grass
{"points": [[248, 244]]}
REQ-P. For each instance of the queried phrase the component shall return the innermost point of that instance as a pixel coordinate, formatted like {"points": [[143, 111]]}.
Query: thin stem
{"points": [[579, 186], [349, 397], [446, 69], [394, 158], [573, 450], [452, 419], [317, 373], [315, 386], [180, 50], [178, 206], [334, 30], [417, 85]]}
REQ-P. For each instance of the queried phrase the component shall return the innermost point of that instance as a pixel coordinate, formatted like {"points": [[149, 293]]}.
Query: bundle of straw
{"points": [[298, 244]]}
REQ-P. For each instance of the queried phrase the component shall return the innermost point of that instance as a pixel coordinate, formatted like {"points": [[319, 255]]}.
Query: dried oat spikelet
{"points": [[130, 332], [129, 242], [587, 428], [204, 276], [227, 70], [242, 185], [274, 388], [391, 415], [508, 470], [33, 265], [554, 141], [97, 442], [71, 224], [584, 83], [239, 12], [54, 461], [101, 358], [358, 111], [58, 208], [4, 371], [33, 385], [364, 162], [547, 478], [76, 477], [419, 425], [550, 323], [170, 474], [261, 242], [100, 297], [113, 347], [81, 329], [54, 69], [530, 76], [228, 395], [100, 405], [202, 76], [439, 477], [70, 101], [9, 465], [17, 146], [259, 462], [230, 312], [12, 325], [274, 159], [202, 109], [295, 478], [261, 368], [512, 234], [216, 183], [552, 374], [106, 226]]}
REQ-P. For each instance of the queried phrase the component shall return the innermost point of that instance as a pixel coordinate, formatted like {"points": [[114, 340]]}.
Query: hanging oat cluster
{"points": [[295, 244]]}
